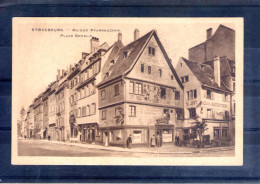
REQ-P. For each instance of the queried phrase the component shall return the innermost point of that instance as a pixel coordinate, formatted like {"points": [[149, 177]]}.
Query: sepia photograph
{"points": [[127, 91]]}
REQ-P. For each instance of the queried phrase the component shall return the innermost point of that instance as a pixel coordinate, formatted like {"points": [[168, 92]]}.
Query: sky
{"points": [[37, 55]]}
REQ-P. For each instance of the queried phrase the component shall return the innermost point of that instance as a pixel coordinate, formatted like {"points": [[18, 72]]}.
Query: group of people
{"points": [[156, 141]]}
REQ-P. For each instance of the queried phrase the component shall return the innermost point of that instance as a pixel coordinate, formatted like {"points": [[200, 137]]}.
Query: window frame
{"points": [[149, 70], [142, 68], [103, 94], [209, 95], [132, 109], [162, 96], [177, 97], [192, 113], [103, 114], [116, 90], [131, 88], [138, 88]]}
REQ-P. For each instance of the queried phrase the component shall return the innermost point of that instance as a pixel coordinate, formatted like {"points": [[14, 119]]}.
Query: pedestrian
{"points": [[153, 141], [129, 142], [157, 140], [176, 142]]}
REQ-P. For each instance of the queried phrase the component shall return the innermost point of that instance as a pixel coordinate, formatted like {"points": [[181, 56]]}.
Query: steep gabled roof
{"points": [[115, 48], [203, 75], [127, 56], [122, 63], [226, 65]]}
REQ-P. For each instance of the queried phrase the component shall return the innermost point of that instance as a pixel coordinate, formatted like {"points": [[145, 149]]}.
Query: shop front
{"points": [[164, 133], [89, 133]]}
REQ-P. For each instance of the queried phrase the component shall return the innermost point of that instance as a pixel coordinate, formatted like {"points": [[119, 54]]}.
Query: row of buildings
{"points": [[121, 90]]}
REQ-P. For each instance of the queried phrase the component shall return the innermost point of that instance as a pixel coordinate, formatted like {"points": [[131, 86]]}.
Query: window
{"points": [[132, 110], [177, 95], [171, 77], [225, 97], [138, 89], [195, 93], [166, 113], [151, 51], [103, 94], [208, 94], [149, 70], [93, 108], [224, 133], [192, 112], [125, 54], [104, 114], [84, 111], [191, 94], [226, 115], [185, 79], [188, 95], [79, 112], [179, 114], [163, 93], [160, 72], [209, 113], [216, 133], [116, 89], [131, 87], [88, 110], [142, 68]]}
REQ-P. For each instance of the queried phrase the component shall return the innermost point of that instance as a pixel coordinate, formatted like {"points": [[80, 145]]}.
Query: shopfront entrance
{"points": [[164, 134]]}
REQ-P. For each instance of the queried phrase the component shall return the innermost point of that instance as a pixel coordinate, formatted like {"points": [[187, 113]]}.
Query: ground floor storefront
{"points": [[214, 131], [149, 136]]}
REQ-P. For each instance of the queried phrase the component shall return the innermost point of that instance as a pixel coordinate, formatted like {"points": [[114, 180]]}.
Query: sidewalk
{"points": [[166, 149]]}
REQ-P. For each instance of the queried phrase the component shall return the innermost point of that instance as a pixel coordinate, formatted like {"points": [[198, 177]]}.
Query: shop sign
{"points": [[214, 104], [167, 137], [137, 138], [191, 103]]}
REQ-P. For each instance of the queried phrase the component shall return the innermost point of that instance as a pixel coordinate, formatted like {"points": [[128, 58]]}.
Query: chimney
{"points": [[136, 34], [63, 72], [217, 70], [119, 36], [70, 68], [209, 33], [58, 74], [57, 77], [94, 43]]}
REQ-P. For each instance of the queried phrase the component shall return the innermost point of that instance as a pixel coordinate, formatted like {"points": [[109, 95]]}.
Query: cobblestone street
{"points": [[45, 148]]}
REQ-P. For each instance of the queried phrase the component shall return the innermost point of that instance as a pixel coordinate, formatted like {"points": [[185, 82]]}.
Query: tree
{"points": [[201, 127]]}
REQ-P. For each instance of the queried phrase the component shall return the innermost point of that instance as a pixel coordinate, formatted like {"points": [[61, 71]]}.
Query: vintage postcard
{"points": [[127, 91]]}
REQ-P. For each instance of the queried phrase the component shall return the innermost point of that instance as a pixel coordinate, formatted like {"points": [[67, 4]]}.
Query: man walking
{"points": [[129, 142]]}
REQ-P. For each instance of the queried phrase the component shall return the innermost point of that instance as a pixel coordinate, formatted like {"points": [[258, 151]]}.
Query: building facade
{"points": [[38, 117], [222, 44], [206, 98], [87, 96], [52, 127], [62, 109], [140, 94], [116, 92]]}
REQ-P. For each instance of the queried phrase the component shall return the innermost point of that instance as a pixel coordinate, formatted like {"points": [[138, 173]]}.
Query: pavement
{"points": [[165, 149]]}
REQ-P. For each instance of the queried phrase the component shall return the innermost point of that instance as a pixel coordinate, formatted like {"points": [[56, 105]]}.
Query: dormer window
{"points": [[151, 51], [112, 62], [125, 54]]}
